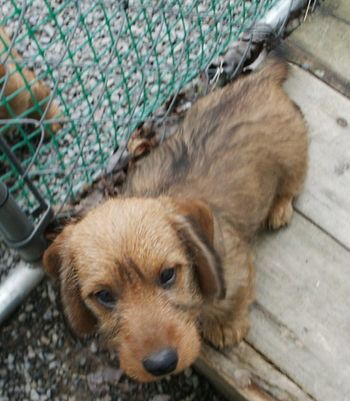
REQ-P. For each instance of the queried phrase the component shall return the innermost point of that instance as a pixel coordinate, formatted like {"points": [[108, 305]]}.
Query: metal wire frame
{"points": [[46, 164]]}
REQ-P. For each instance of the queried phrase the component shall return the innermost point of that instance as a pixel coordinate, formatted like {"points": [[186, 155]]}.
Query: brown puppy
{"points": [[25, 99], [171, 259]]}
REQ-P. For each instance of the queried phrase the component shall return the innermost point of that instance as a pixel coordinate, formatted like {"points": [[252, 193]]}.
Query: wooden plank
{"points": [[309, 62], [242, 373], [326, 197], [337, 8], [327, 39], [301, 321]]}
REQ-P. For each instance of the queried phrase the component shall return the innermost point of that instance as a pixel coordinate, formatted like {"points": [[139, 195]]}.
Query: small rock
{"points": [[51, 293], [93, 347], [34, 396], [27, 388], [82, 361], [22, 317], [107, 375], [50, 357], [47, 315], [320, 73], [54, 338], [10, 359], [44, 340], [31, 353]]}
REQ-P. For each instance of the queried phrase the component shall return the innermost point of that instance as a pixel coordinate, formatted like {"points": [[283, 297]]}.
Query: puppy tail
{"points": [[274, 69]]}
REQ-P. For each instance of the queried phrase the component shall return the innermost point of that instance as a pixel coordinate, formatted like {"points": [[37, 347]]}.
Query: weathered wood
{"points": [[327, 39], [338, 8], [302, 58], [326, 197], [298, 346], [301, 321], [241, 373]]}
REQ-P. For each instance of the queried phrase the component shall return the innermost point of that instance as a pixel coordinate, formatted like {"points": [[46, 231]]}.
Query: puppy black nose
{"points": [[161, 362]]}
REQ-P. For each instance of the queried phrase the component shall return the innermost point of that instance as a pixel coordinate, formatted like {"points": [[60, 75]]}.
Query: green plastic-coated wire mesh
{"points": [[109, 65]]}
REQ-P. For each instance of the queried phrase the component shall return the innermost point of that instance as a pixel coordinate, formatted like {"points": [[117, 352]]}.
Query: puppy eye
{"points": [[105, 298], [167, 277]]}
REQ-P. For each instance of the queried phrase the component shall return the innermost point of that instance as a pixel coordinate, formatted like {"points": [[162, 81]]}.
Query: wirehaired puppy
{"points": [[170, 261], [22, 88]]}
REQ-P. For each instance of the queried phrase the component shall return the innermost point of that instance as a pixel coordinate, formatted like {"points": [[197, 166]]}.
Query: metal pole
{"points": [[16, 287], [17, 230], [248, 48]]}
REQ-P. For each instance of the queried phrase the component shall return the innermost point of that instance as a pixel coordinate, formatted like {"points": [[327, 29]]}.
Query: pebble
{"points": [[82, 361], [44, 340], [34, 396], [31, 353], [54, 338], [93, 347], [22, 317], [10, 359]]}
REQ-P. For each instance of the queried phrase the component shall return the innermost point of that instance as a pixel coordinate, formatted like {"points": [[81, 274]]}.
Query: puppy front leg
{"points": [[227, 322]]}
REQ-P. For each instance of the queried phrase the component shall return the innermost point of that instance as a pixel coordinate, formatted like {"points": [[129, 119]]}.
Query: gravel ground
{"points": [[41, 360]]}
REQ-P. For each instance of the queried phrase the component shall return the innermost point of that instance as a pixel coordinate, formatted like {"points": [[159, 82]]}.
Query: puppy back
{"points": [[274, 69]]}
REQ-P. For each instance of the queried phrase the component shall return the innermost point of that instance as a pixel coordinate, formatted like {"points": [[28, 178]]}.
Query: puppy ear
{"points": [[195, 226], [58, 262]]}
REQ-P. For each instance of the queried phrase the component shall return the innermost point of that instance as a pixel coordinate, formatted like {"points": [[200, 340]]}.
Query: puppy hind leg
{"points": [[281, 212]]}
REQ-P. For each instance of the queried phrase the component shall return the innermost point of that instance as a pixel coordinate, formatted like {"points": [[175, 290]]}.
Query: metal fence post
{"points": [[18, 232]]}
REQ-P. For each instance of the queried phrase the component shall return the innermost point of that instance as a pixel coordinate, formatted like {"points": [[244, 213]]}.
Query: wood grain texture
{"points": [[326, 197], [242, 373], [327, 39], [300, 57], [337, 8], [301, 320], [297, 348]]}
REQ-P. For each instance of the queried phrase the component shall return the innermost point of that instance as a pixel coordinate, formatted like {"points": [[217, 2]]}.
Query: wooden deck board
{"points": [[302, 317], [243, 374], [297, 348], [321, 44], [326, 37], [337, 8], [326, 198]]}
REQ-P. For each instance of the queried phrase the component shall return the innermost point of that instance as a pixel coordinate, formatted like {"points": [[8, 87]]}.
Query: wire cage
{"points": [[91, 72]]}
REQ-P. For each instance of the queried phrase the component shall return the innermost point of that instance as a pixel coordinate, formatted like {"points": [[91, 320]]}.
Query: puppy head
{"points": [[138, 271]]}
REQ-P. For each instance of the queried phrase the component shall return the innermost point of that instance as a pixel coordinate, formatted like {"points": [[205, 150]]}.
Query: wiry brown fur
{"points": [[194, 203], [16, 82]]}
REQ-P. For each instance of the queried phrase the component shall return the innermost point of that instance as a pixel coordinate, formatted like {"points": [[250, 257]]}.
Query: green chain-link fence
{"points": [[109, 65]]}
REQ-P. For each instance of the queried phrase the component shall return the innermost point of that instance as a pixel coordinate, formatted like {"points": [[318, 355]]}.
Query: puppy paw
{"points": [[281, 213], [227, 334]]}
